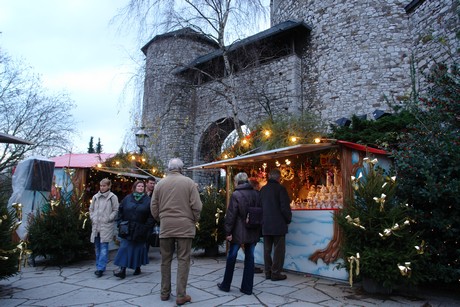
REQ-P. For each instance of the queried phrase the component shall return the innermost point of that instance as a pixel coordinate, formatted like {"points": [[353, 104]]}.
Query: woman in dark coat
{"points": [[135, 208], [238, 234]]}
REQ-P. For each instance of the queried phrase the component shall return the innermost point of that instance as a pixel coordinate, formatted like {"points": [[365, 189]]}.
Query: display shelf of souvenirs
{"points": [[319, 197]]}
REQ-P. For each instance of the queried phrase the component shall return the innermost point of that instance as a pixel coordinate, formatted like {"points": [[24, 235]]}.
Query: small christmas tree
{"points": [[210, 232], [9, 253], [378, 239], [60, 231]]}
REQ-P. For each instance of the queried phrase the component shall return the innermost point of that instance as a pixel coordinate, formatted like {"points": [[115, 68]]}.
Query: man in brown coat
{"points": [[176, 204]]}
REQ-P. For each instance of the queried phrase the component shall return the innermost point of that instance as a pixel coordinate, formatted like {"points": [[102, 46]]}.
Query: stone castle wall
{"points": [[433, 27], [358, 53]]}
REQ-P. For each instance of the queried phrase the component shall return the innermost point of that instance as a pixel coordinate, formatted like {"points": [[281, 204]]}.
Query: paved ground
{"points": [[76, 285]]}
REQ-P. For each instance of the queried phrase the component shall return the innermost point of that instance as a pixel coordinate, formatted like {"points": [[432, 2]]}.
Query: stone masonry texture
{"points": [[357, 56]]}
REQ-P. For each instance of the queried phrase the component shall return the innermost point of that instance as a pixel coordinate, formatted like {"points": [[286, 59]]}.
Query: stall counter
{"points": [[309, 231]]}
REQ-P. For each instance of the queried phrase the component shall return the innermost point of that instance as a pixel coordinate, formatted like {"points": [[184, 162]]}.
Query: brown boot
{"points": [[278, 277], [183, 300]]}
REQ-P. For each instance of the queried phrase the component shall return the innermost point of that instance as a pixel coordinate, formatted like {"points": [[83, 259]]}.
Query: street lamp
{"points": [[141, 139]]}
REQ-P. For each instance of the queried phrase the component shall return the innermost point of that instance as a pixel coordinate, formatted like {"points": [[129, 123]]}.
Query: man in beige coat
{"points": [[176, 204]]}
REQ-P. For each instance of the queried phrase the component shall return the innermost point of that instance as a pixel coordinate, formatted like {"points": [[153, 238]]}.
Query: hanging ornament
{"points": [[287, 172]]}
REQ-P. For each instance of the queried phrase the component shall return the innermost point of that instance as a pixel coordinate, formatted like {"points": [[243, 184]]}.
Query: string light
{"points": [[267, 133], [293, 139]]}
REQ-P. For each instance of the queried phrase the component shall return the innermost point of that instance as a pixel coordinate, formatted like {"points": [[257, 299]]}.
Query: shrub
{"points": [[210, 229], [60, 231]]}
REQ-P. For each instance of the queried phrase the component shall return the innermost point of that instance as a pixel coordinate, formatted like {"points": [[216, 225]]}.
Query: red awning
{"points": [[80, 160], [363, 147]]}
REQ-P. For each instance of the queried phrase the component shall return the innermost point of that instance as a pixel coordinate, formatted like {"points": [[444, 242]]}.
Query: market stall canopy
{"points": [[265, 155], [125, 174], [87, 160], [283, 152], [10, 139]]}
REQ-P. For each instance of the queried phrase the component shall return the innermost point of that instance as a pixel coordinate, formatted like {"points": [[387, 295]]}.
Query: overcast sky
{"points": [[72, 46]]}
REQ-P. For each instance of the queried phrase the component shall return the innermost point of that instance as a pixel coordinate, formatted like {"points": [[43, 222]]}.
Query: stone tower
{"points": [[335, 58], [169, 106]]}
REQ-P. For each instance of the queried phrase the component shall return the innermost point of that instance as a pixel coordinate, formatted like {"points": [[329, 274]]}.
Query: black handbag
{"points": [[254, 217], [123, 229]]}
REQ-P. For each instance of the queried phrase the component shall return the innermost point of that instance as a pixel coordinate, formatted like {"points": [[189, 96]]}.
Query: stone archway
{"points": [[212, 139]]}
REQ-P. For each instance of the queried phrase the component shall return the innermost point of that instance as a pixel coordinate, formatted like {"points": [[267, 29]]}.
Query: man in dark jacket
{"points": [[277, 215]]}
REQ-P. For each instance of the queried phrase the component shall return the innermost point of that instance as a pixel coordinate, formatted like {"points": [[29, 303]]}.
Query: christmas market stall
{"points": [[85, 171], [317, 178]]}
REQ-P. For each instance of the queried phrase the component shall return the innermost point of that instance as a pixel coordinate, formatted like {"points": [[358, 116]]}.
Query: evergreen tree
{"points": [[378, 238], [9, 254], [381, 133], [99, 146], [60, 231], [211, 232], [427, 160], [91, 147]]}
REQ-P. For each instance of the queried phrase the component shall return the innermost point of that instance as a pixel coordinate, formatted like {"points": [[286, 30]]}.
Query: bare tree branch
{"points": [[31, 113]]}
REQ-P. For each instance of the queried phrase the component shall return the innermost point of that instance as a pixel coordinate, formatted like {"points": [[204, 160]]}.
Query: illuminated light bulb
{"points": [[288, 162], [267, 133], [143, 159], [99, 165], [244, 141], [277, 163], [317, 140], [133, 158], [153, 170], [225, 156], [293, 139], [117, 162]]}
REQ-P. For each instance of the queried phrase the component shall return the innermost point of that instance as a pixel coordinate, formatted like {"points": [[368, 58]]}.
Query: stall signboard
{"points": [[316, 177]]}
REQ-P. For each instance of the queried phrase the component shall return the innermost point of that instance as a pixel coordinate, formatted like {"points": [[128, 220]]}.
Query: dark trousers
{"points": [[274, 266], [248, 273]]}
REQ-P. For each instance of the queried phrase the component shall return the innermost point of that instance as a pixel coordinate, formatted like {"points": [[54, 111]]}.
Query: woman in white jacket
{"points": [[103, 213]]}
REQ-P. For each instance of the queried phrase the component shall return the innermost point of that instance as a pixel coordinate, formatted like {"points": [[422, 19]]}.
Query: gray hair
{"points": [[275, 174], [175, 164], [241, 178]]}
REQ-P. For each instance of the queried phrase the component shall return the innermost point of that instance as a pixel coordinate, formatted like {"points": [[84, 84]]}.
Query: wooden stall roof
{"points": [[266, 155], [283, 152]]}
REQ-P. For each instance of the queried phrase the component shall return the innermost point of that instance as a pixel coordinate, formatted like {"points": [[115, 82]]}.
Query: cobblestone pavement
{"points": [[76, 285]]}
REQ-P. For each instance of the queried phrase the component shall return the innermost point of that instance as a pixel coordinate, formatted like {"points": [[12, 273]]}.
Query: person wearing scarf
{"points": [[135, 209]]}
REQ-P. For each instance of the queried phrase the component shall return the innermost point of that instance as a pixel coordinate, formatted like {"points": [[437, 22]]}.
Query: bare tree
{"points": [[224, 21], [28, 111]]}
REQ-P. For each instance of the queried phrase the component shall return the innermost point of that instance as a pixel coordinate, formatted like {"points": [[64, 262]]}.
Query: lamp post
{"points": [[141, 139]]}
